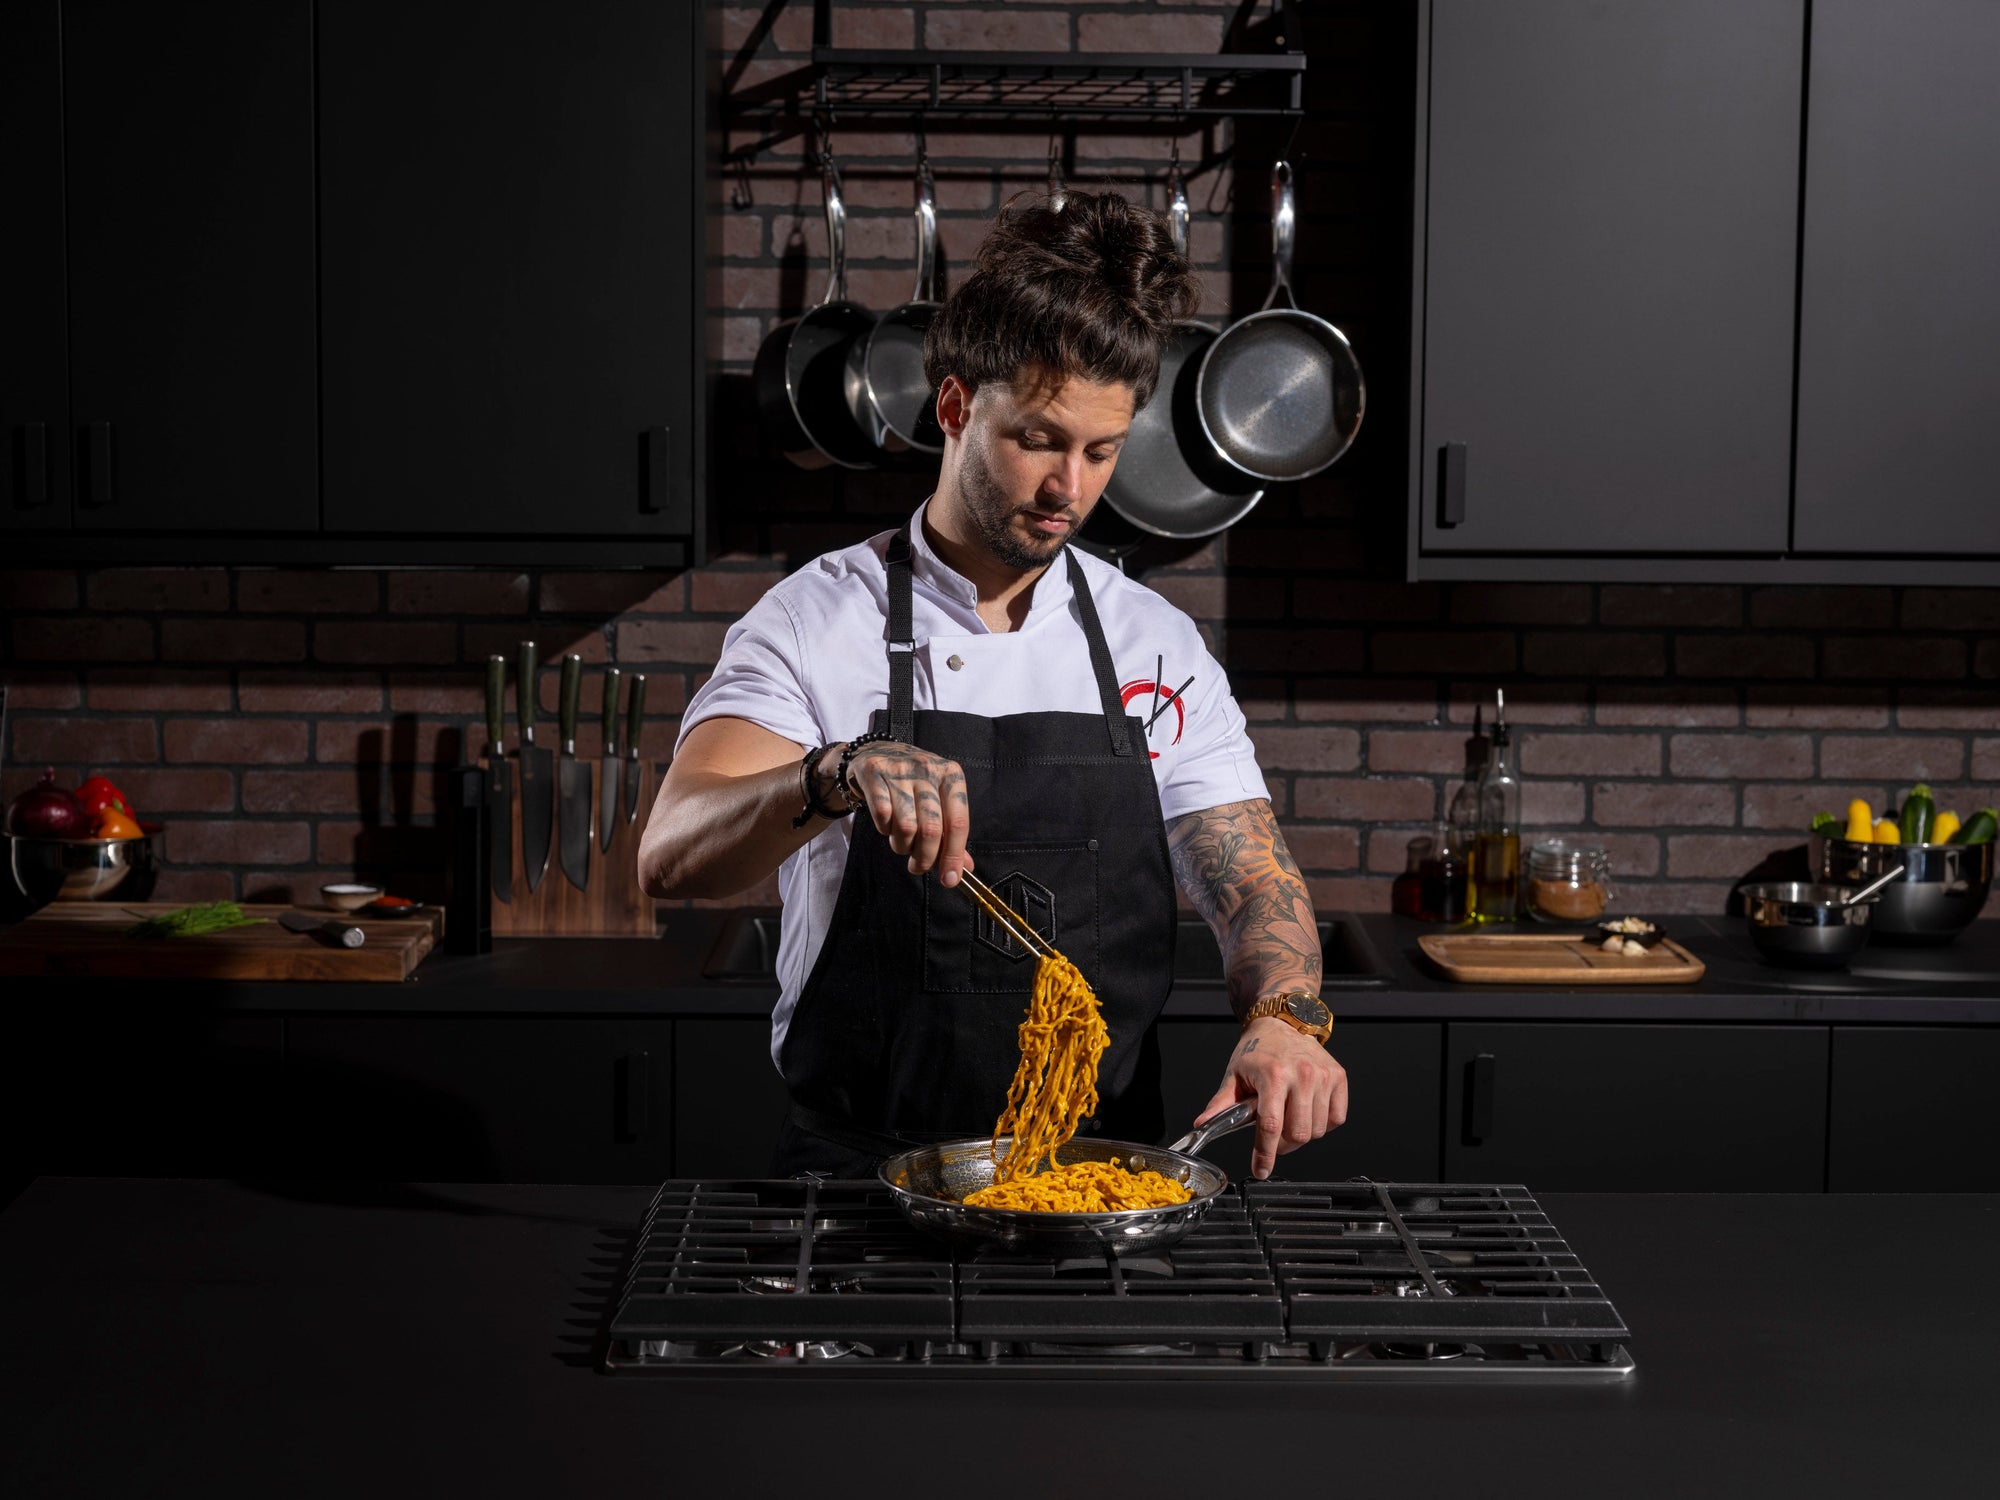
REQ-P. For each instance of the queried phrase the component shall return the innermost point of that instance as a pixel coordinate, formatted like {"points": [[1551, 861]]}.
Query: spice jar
{"points": [[1567, 882]]}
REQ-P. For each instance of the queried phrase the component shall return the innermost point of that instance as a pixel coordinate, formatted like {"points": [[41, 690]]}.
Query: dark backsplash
{"points": [[294, 727]]}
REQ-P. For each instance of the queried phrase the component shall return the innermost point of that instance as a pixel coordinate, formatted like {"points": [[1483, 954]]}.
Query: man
{"points": [[981, 691]]}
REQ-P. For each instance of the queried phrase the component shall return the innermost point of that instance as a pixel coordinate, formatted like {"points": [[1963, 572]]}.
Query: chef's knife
{"points": [[635, 715], [499, 781], [538, 774], [610, 773], [341, 934], [573, 777]]}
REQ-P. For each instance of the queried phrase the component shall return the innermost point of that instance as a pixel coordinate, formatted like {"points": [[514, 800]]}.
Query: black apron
{"points": [[906, 1031]]}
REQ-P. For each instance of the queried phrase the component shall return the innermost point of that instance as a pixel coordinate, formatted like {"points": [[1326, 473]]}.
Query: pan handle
{"points": [[1058, 194], [1231, 1120], [926, 234], [1177, 207], [1281, 235], [836, 234]]}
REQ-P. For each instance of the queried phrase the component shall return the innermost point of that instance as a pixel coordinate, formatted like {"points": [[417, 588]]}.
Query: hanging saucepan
{"points": [[801, 369], [1168, 480], [1279, 394], [886, 391]]}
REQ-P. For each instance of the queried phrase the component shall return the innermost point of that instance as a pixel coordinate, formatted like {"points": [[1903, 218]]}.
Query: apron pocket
{"points": [[1053, 885]]}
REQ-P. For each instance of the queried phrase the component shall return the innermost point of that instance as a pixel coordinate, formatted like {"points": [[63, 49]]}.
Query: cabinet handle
{"points": [[33, 492], [97, 492], [1479, 1099], [1451, 485], [656, 454], [631, 1087]]}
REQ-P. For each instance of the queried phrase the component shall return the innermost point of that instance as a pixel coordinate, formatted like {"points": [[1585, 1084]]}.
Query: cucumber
{"points": [[1827, 825], [1918, 813], [1979, 828]]}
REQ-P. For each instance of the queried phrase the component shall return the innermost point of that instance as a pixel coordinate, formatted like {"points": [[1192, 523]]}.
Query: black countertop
{"points": [[1956, 984], [179, 1337]]}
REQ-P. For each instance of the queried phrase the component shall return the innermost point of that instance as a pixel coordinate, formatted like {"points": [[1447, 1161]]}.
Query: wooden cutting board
{"points": [[86, 939], [1554, 958]]}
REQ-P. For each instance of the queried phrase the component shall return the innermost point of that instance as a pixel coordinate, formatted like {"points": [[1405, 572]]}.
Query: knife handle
{"points": [[635, 714], [525, 694], [610, 725], [572, 681], [496, 699]]}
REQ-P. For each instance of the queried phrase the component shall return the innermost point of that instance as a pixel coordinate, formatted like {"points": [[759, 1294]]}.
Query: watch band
{"points": [[1279, 1005]]}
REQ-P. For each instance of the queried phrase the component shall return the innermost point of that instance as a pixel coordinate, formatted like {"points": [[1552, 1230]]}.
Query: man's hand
{"points": [[1301, 1091], [918, 803]]}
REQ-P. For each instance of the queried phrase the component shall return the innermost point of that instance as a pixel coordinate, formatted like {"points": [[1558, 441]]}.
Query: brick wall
{"points": [[293, 727]]}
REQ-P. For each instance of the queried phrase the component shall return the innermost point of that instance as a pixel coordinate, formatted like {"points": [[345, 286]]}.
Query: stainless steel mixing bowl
{"points": [[45, 870], [1941, 892], [1807, 926]]}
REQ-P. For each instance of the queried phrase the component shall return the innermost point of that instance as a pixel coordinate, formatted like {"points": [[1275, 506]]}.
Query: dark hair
{"points": [[1091, 289]]}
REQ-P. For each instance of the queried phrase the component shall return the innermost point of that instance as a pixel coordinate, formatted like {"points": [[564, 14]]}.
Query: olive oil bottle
{"points": [[1496, 864]]}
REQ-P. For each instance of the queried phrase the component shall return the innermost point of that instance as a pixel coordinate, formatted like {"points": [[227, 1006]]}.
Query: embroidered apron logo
{"points": [[1032, 900], [1144, 688]]}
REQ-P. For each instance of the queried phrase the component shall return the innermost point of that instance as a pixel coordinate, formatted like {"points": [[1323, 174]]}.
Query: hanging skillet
{"points": [[1167, 479], [1279, 393], [887, 394], [801, 366]]}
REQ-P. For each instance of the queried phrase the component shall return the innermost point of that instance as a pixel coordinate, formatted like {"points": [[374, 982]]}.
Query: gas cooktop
{"points": [[815, 1279]]}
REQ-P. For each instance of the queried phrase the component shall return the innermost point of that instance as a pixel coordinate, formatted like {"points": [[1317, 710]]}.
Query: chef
{"points": [[968, 692]]}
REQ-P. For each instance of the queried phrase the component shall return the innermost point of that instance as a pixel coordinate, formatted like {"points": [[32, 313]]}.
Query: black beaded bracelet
{"points": [[840, 780], [812, 806]]}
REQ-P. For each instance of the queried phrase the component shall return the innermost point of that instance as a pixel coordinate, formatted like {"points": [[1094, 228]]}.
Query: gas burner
{"points": [[817, 1284]]}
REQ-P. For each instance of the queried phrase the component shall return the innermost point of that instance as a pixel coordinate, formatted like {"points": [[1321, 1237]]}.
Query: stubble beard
{"points": [[992, 515]]}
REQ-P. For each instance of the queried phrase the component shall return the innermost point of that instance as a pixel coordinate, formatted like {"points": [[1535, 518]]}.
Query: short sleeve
{"points": [[760, 676], [1216, 763]]}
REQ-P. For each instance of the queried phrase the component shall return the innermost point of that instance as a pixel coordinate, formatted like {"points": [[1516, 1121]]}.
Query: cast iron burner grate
{"points": [[1280, 1280]]}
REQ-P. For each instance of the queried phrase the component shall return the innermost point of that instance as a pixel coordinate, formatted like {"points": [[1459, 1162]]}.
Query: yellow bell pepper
{"points": [[1946, 825], [1886, 831], [1860, 822]]}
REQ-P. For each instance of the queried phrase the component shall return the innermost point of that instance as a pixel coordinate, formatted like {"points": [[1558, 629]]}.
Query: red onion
{"points": [[46, 811]]}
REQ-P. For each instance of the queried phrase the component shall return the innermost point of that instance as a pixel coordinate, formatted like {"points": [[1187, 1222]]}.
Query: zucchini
{"points": [[1826, 825], [1979, 828], [1918, 813]]}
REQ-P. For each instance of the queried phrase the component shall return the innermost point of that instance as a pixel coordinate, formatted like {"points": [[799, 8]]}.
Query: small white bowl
{"points": [[344, 897]]}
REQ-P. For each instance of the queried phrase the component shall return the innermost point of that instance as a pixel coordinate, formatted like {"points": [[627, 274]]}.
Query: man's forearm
{"points": [[1234, 866], [713, 835]]}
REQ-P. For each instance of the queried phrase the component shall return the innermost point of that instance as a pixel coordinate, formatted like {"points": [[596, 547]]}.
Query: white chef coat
{"points": [[809, 662]]}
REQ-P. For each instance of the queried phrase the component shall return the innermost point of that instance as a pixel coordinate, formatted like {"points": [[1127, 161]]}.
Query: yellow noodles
{"points": [[1054, 1088]]}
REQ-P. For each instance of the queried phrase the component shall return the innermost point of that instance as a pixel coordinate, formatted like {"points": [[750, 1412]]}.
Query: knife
{"points": [[341, 934], [635, 714], [609, 774], [538, 772], [573, 778], [499, 781]]}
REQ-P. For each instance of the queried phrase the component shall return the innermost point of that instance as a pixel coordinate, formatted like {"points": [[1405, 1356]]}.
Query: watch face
{"points": [[1308, 1010]]}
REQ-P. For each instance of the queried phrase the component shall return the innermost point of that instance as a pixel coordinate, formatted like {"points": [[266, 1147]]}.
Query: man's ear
{"points": [[954, 406]]}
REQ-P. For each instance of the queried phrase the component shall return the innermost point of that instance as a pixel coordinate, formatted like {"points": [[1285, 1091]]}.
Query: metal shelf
{"points": [[1068, 85]]}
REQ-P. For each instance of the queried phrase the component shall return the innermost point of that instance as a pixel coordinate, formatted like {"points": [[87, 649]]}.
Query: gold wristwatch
{"points": [[1301, 1008]]}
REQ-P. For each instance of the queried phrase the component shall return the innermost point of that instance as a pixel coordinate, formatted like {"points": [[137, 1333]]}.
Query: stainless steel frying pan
{"points": [[930, 1184], [885, 386]]}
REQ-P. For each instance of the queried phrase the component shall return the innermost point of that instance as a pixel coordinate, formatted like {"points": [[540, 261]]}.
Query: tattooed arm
{"points": [[723, 819], [1234, 866]]}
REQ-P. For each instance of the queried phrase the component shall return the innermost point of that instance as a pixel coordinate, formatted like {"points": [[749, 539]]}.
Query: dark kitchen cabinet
{"points": [[34, 355], [1914, 1110], [479, 1099], [1393, 1072], [1637, 1108], [510, 250], [137, 1088], [188, 156], [158, 373], [1607, 232], [728, 1097], [1898, 303]]}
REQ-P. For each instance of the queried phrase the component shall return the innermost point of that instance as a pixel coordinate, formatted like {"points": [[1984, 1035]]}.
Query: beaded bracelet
{"points": [[812, 806], [854, 798]]}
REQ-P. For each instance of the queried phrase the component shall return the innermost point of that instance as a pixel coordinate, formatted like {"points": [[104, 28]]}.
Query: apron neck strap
{"points": [[902, 649]]}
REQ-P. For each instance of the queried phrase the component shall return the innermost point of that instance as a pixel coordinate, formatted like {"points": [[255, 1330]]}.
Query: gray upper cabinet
{"points": [[1607, 225], [1899, 301], [34, 370]]}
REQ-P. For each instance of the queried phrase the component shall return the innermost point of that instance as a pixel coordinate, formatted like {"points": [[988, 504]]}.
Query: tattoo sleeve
{"points": [[1233, 864]]}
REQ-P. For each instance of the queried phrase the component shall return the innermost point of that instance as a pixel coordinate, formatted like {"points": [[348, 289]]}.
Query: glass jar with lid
{"points": [[1567, 882]]}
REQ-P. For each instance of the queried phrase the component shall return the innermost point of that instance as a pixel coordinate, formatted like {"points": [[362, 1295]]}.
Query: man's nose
{"points": [[1066, 483]]}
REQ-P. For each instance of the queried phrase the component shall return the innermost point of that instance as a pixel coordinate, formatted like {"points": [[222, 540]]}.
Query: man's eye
{"points": [[1101, 458]]}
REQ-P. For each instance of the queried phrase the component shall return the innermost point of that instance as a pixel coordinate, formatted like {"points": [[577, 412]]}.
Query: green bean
{"points": [[191, 921]]}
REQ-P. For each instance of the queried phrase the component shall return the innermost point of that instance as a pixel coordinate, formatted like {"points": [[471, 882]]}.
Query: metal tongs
{"points": [[1018, 926]]}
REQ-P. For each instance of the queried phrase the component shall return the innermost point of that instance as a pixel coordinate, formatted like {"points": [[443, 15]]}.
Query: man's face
{"points": [[1033, 460]]}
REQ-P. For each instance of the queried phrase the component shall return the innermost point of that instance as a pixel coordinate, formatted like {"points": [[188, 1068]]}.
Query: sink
{"points": [[746, 952]]}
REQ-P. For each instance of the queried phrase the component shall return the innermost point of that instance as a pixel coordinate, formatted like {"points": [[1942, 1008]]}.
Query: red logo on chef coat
{"points": [[1145, 687]]}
